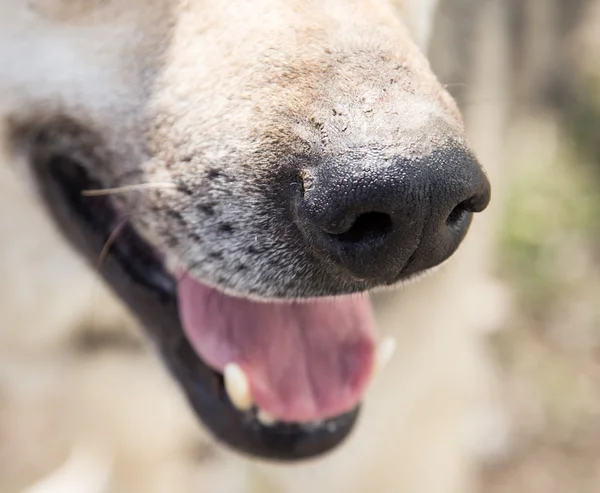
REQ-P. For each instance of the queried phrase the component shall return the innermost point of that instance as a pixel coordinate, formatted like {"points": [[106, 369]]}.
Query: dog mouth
{"points": [[276, 379], [295, 361]]}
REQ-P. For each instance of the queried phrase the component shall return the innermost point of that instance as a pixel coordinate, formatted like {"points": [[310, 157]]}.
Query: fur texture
{"points": [[211, 96], [229, 102]]}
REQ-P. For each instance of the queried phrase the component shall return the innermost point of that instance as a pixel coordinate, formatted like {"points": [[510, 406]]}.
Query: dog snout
{"points": [[382, 218]]}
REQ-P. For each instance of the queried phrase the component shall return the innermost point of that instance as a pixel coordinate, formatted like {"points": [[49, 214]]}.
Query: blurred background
{"points": [[527, 76], [547, 241]]}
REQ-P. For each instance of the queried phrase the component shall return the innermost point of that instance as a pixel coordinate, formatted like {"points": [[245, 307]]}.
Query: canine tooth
{"points": [[237, 386], [385, 351], [265, 418]]}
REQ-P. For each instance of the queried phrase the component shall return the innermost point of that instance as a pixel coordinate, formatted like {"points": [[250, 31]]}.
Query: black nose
{"points": [[383, 218]]}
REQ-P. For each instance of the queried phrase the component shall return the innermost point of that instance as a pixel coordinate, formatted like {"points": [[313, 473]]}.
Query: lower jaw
{"points": [[243, 431], [141, 281]]}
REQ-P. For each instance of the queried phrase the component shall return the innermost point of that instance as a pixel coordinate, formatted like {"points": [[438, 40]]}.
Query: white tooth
{"points": [[313, 425], [237, 386], [265, 418], [385, 351], [172, 263]]}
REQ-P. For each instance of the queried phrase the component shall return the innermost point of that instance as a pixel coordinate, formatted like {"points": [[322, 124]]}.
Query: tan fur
{"points": [[135, 78], [196, 92]]}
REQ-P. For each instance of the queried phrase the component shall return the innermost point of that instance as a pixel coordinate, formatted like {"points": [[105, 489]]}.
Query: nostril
{"points": [[461, 212], [368, 227], [458, 215]]}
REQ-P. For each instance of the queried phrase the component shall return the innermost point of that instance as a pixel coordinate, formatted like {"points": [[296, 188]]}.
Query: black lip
{"points": [[135, 273]]}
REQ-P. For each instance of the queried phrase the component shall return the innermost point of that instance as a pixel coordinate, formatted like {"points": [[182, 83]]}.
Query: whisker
{"points": [[127, 188], [109, 243], [101, 259], [456, 84]]}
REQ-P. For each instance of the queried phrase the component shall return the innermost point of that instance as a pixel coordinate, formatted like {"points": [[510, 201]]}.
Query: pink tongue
{"points": [[305, 360]]}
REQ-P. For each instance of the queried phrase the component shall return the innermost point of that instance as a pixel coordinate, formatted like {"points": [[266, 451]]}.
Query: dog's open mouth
{"points": [[296, 361], [280, 380]]}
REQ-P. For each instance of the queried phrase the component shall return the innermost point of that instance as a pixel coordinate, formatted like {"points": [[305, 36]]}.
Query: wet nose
{"points": [[383, 218]]}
